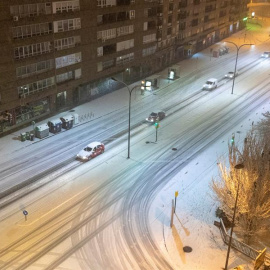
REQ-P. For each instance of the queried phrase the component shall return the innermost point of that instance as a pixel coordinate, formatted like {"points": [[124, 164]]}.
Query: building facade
{"points": [[57, 54]]}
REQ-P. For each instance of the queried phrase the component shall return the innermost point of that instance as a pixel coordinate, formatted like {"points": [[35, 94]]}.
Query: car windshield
{"points": [[208, 82], [88, 149], [231, 72], [153, 114]]}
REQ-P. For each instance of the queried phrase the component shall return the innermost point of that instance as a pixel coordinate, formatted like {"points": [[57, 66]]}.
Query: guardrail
{"points": [[240, 246]]}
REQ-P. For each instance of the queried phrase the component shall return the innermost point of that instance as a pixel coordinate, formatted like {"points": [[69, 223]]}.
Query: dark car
{"points": [[155, 116]]}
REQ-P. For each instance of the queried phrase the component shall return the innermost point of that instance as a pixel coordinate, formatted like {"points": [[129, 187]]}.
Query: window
{"points": [[67, 76], [29, 10], [31, 88], [124, 58], [65, 43], [124, 45], [106, 3], [145, 26], [66, 6], [149, 38], [125, 30], [132, 14], [32, 50], [105, 65], [68, 60], [149, 51], [26, 71], [106, 34], [108, 64], [31, 30], [67, 25], [99, 51]]}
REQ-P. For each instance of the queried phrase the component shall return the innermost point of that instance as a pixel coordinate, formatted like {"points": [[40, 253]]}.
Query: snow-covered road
{"points": [[99, 215]]}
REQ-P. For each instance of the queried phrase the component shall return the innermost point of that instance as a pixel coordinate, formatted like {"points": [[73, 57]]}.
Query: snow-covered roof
{"points": [[55, 121]]}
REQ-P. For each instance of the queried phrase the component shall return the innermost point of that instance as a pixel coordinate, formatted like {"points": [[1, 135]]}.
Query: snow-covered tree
{"points": [[252, 182], [263, 127]]}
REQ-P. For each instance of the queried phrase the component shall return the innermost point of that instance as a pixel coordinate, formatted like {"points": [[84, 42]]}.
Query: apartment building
{"points": [[57, 54]]}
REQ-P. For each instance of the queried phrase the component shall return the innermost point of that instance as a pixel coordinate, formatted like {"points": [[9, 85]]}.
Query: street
{"points": [[96, 214]]}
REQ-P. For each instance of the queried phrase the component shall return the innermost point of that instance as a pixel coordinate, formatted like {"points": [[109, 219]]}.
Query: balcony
{"points": [[109, 49], [113, 17]]}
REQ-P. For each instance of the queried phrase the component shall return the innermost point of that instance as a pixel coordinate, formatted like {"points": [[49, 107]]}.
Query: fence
{"points": [[240, 246]]}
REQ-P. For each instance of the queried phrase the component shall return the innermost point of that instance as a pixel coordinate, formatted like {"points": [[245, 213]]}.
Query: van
{"points": [[211, 83]]}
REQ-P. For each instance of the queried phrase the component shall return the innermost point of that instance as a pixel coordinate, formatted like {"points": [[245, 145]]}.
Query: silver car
{"points": [[266, 55], [231, 75]]}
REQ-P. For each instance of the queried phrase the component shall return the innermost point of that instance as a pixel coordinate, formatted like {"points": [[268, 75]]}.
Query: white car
{"points": [[211, 84], [91, 150], [266, 55], [230, 74]]}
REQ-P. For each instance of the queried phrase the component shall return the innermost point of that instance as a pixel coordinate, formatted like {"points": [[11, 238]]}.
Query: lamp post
{"points": [[237, 167], [237, 52], [129, 109]]}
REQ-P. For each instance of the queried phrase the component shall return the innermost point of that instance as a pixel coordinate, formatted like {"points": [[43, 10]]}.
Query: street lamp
{"points": [[237, 51], [129, 109], [237, 167]]}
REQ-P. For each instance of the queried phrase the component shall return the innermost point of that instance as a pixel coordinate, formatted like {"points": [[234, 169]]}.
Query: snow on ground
{"points": [[195, 210]]}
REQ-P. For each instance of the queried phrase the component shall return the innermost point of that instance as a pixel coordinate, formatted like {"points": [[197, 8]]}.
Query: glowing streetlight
{"points": [[129, 110], [237, 50], [237, 167]]}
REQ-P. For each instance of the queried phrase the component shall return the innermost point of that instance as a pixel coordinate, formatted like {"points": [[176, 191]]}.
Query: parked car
{"points": [[211, 84], [91, 150], [230, 74], [266, 55], [155, 116]]}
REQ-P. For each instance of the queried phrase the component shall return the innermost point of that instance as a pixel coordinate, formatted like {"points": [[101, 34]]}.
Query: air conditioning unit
{"points": [[15, 18]]}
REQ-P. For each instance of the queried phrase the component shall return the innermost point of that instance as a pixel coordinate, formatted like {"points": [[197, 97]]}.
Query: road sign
{"points": [[176, 194], [25, 212]]}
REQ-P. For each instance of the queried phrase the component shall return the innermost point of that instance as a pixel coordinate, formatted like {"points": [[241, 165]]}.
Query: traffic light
{"points": [[232, 139], [156, 124]]}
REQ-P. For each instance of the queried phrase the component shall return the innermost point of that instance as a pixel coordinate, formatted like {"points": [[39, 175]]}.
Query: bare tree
{"points": [[253, 182]]}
